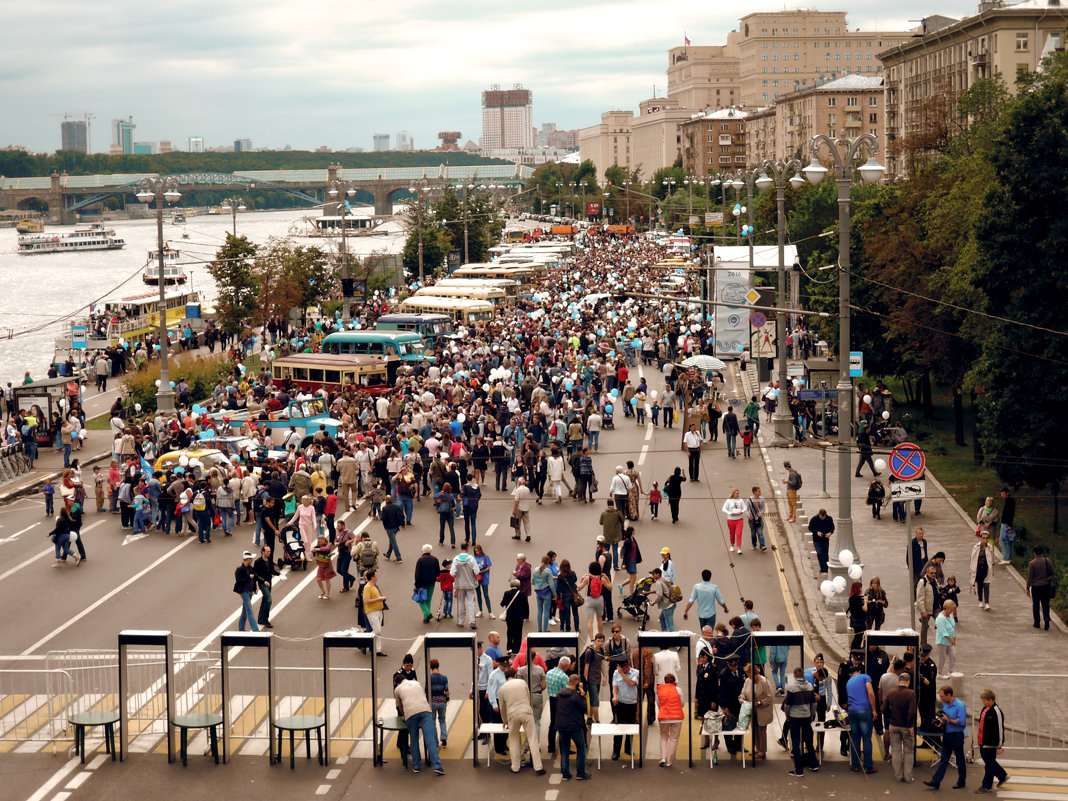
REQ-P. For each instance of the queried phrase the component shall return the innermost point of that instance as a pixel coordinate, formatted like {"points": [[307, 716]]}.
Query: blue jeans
{"points": [[393, 549], [227, 517], [952, 746], [438, 708], [140, 521], [754, 424], [259, 526], [732, 443], [446, 518], [63, 546], [265, 605], [423, 722], [545, 610], [166, 515], [470, 524], [667, 619], [860, 726], [66, 454], [578, 737], [778, 672], [246, 613], [595, 441], [756, 533], [707, 621], [153, 511], [480, 591], [407, 506]]}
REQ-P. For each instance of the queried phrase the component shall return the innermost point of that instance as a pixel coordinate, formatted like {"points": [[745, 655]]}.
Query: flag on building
{"points": [[686, 40]]}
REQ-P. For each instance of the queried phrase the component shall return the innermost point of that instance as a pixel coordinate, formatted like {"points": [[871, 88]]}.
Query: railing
{"points": [[32, 700], [1035, 706]]}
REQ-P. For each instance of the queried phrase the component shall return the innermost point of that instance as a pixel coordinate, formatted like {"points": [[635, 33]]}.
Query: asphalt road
{"points": [[176, 584]]}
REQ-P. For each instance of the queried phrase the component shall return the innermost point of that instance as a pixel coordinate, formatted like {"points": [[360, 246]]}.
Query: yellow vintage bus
{"points": [[524, 275], [463, 311], [493, 295], [507, 285]]}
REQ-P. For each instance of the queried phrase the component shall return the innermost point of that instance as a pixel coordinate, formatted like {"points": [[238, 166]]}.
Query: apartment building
{"points": [[704, 77], [713, 141]]}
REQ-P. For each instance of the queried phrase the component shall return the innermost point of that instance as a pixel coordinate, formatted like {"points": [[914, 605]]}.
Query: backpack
{"points": [[595, 587], [200, 503], [799, 481], [675, 596], [367, 558]]}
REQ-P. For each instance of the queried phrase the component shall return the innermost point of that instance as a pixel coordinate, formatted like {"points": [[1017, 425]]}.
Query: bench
{"points": [[84, 720], [600, 730], [210, 721], [487, 730], [304, 723]]}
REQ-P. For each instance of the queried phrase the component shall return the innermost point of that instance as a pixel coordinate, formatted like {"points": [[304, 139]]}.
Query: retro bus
{"points": [[431, 327], [405, 345], [463, 311]]}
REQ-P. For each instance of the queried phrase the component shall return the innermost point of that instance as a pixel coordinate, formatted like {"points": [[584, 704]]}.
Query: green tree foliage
{"points": [[293, 277], [562, 185], [435, 250], [235, 277], [1021, 237]]}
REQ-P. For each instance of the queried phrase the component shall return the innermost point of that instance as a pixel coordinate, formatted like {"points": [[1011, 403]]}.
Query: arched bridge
{"points": [[66, 194]]}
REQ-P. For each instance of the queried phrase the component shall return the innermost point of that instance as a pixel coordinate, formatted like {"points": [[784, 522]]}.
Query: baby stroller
{"points": [[292, 549], [636, 604], [607, 420]]}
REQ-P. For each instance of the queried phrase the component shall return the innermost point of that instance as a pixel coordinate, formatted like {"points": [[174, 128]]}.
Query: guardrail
{"points": [[1035, 706]]}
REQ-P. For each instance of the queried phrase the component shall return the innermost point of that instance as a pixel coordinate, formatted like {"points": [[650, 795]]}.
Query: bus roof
{"points": [[372, 335], [330, 360], [447, 303], [414, 317]]}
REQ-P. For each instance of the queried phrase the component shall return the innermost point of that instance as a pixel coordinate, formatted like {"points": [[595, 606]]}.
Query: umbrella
{"points": [[704, 362]]}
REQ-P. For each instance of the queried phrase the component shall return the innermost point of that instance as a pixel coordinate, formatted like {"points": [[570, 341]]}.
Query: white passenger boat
{"points": [[95, 237]]}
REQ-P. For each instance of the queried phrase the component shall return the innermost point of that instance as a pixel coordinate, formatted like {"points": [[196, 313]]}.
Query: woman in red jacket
{"points": [[671, 717]]}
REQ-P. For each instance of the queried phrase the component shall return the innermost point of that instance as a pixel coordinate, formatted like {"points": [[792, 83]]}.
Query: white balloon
{"points": [[194, 462], [485, 387], [845, 557], [886, 415], [855, 572], [653, 394], [827, 588], [839, 583], [137, 407], [183, 461], [880, 465], [157, 382], [867, 399], [461, 418]]}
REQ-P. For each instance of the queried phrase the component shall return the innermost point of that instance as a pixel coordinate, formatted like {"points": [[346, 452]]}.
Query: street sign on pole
{"points": [[763, 342], [758, 319], [78, 336], [817, 394], [907, 462], [856, 363], [908, 490]]}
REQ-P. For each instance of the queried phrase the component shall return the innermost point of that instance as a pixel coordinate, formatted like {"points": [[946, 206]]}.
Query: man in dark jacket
{"points": [[516, 612], [822, 527], [392, 517], [244, 585], [731, 682], [673, 492], [991, 738], [426, 576], [800, 708], [571, 728], [264, 570]]}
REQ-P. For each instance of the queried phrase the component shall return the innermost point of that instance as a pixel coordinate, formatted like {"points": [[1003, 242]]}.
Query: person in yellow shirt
{"points": [[374, 605]]}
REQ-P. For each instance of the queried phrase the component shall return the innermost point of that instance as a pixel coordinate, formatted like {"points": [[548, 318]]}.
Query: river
{"points": [[40, 293]]}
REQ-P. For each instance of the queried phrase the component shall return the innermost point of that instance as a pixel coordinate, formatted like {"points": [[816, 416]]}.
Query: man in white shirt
{"points": [[521, 507], [619, 489], [517, 713], [666, 661], [692, 439], [593, 428]]}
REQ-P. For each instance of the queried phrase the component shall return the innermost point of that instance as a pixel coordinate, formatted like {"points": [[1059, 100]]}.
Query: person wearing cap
{"points": [[729, 690], [667, 567], [245, 585], [926, 686]]}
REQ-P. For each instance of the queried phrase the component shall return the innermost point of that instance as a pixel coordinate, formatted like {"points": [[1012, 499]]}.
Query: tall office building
{"points": [[195, 144], [122, 132], [381, 142], [74, 135], [242, 145], [405, 141], [507, 118]]}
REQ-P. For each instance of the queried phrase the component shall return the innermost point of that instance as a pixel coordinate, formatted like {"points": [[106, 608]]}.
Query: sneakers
{"points": [[478, 613], [439, 771], [1002, 781], [794, 773]]}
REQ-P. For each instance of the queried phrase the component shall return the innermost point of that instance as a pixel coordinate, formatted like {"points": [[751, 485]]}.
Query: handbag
{"points": [[745, 714], [578, 599], [593, 484], [420, 595], [513, 522], [712, 722]]}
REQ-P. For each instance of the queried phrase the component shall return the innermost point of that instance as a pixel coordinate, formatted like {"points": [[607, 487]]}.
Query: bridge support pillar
{"points": [[383, 204]]}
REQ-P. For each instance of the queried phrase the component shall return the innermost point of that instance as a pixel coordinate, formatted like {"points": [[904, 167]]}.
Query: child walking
{"points": [[747, 440], [49, 493], [446, 581], [376, 496], [654, 500]]}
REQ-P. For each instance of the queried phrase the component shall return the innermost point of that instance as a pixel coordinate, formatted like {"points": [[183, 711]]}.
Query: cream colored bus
{"points": [[462, 310]]}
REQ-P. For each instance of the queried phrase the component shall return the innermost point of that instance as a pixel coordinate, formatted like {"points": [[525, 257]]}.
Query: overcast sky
{"points": [[285, 72]]}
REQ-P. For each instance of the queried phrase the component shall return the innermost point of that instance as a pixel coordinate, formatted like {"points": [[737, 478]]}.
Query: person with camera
{"points": [[953, 719]]}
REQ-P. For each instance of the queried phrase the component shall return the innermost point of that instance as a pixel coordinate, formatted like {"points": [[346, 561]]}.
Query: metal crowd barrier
{"points": [[1035, 706], [34, 699]]}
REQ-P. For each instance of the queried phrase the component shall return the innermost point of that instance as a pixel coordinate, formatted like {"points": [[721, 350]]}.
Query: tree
{"points": [[435, 250], [235, 277], [293, 276], [1022, 236]]}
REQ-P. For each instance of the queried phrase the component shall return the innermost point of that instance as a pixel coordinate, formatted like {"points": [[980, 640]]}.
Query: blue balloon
{"points": [[172, 385], [614, 393], [608, 408], [636, 344], [633, 401], [568, 385]]}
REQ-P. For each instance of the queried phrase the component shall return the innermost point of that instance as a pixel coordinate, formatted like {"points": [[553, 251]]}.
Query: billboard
{"points": [[732, 324], [593, 209]]}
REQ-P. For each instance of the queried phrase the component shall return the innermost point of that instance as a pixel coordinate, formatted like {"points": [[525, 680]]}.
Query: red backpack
{"points": [[595, 587]]}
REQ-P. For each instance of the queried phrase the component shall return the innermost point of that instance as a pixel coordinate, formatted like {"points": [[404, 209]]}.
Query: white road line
{"points": [[28, 562], [649, 432], [93, 606], [57, 777], [490, 530], [641, 459], [78, 781], [17, 534]]}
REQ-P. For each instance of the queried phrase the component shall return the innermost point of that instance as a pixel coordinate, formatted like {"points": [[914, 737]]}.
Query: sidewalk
{"points": [[999, 641]]}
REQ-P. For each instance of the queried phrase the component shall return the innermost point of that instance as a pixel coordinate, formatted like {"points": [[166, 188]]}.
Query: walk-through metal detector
{"points": [[903, 638], [757, 640], [665, 639], [246, 639], [152, 639], [549, 639], [457, 640], [346, 641]]}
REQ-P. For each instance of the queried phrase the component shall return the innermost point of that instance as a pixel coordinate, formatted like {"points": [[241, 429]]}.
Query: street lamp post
{"points": [[233, 205], [343, 190], [161, 190], [870, 172], [418, 192], [775, 172], [467, 191], [585, 216]]}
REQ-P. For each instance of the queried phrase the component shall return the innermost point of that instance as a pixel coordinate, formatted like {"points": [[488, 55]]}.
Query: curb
{"points": [[821, 634]]}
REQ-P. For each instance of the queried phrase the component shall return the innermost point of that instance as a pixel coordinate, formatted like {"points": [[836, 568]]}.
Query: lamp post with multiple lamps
{"points": [[233, 205], [419, 192], [775, 173], [843, 153], [466, 190], [341, 191], [161, 190]]}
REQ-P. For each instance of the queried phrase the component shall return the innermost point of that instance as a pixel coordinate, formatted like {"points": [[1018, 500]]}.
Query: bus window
{"points": [[315, 374], [333, 376], [300, 374]]}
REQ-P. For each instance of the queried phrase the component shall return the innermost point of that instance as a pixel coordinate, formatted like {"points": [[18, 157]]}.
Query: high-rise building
{"points": [[122, 135], [144, 148], [74, 135], [195, 144], [713, 141], [381, 142], [405, 141], [242, 145], [165, 146], [507, 118], [706, 76]]}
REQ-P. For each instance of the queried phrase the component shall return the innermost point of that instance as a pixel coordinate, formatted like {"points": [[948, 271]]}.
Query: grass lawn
{"points": [[970, 484]]}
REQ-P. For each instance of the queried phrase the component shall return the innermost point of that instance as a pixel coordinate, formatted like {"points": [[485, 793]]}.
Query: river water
{"points": [[40, 293]]}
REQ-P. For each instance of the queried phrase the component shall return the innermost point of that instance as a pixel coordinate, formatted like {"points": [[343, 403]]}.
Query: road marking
{"points": [[29, 561], [417, 645], [133, 538], [78, 781], [649, 432], [100, 601], [52, 783], [641, 459], [490, 530], [17, 534]]}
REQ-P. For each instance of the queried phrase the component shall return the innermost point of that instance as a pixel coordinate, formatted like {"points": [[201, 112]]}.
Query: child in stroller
{"points": [[292, 549], [637, 603]]}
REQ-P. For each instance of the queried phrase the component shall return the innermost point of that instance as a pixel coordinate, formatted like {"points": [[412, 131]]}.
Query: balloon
{"points": [[137, 407], [122, 341], [172, 385], [556, 379], [568, 385], [827, 588], [633, 401], [183, 460], [839, 583], [608, 408], [461, 418], [867, 399], [614, 393], [157, 383], [636, 344], [485, 387], [194, 462], [653, 394], [886, 415], [880, 465], [845, 557], [83, 434], [855, 572]]}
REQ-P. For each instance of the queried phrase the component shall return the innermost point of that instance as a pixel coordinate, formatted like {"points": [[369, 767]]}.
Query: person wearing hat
{"points": [[516, 611], [667, 567], [926, 685], [244, 585]]}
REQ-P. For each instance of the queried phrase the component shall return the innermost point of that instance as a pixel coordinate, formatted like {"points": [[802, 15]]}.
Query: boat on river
{"points": [[95, 237], [173, 272]]}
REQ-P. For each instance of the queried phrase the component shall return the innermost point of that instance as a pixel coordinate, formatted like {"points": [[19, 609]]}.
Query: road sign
{"points": [[908, 490], [907, 462], [795, 370], [763, 341], [78, 335], [758, 319], [856, 364], [752, 296], [817, 394]]}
